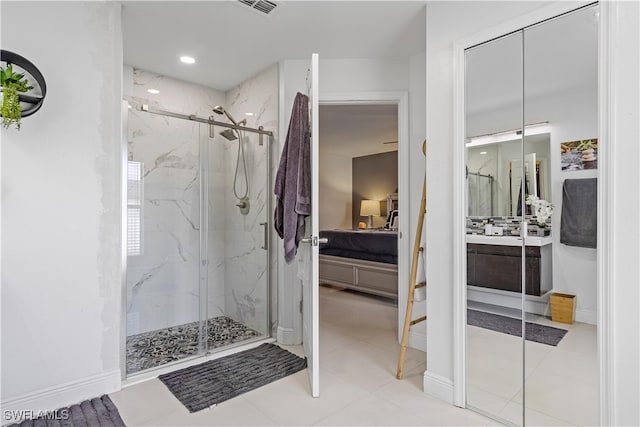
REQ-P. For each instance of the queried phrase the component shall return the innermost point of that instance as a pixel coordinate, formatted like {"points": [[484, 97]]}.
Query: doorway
{"points": [[380, 102], [358, 200]]}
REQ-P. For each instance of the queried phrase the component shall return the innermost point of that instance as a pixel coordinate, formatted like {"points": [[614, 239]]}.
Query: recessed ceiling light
{"points": [[153, 91], [483, 152], [249, 114], [129, 106], [187, 59]]}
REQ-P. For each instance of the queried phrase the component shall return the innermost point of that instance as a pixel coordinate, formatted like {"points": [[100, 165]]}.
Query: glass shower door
{"points": [[164, 311], [238, 238], [198, 272]]}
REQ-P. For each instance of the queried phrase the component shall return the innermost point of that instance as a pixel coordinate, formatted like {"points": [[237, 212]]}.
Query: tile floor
{"points": [[358, 359], [561, 383]]}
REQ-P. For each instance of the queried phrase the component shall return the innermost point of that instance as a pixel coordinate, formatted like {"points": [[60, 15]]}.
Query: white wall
{"points": [[345, 76], [449, 22], [417, 164], [574, 268], [335, 191], [61, 240]]}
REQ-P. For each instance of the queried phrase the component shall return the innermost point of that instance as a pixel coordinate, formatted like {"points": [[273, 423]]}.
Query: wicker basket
{"points": [[563, 308]]}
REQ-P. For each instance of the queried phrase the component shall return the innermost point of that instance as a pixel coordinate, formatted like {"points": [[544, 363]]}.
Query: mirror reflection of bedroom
{"points": [[358, 214]]}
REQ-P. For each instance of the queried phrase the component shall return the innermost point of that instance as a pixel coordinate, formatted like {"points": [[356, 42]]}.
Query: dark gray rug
{"points": [[215, 381], [508, 325], [95, 412]]}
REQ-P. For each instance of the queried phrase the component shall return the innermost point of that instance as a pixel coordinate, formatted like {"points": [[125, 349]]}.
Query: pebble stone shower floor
{"points": [[156, 348]]}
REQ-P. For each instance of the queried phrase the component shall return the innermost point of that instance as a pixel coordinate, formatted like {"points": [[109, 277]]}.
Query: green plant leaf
{"points": [[11, 110]]}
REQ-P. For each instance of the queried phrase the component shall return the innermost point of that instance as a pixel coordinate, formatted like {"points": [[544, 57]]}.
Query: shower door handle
{"points": [[265, 244]]}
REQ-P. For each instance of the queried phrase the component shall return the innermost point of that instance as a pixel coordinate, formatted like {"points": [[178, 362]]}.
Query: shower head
{"points": [[218, 109], [229, 134]]}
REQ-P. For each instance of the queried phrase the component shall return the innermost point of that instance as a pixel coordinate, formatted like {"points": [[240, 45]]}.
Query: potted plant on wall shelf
{"points": [[12, 84], [16, 103], [543, 210]]}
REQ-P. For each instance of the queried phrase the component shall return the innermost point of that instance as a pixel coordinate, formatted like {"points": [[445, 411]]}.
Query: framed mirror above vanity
{"points": [[530, 108]]}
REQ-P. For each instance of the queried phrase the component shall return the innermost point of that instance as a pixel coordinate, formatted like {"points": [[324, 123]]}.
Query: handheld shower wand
{"points": [[243, 198], [218, 109]]}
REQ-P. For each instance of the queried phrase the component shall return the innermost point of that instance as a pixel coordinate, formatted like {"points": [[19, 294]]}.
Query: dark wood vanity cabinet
{"points": [[499, 267]]}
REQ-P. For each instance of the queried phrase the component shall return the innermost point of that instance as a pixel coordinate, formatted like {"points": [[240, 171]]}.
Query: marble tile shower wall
{"points": [[246, 271], [163, 281]]}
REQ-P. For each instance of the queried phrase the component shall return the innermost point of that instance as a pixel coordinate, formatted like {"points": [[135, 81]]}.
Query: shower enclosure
{"points": [[480, 194], [197, 266]]}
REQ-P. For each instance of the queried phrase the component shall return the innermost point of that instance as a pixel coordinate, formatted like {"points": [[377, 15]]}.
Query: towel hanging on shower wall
{"points": [[293, 180]]}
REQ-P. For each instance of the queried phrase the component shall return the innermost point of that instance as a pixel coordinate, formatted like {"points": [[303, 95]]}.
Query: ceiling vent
{"points": [[263, 7]]}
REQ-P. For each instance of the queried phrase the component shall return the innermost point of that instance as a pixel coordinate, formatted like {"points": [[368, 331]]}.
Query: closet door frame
{"points": [[605, 190]]}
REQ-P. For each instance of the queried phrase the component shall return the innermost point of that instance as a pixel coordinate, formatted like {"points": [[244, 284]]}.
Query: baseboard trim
{"points": [[587, 316], [287, 336], [536, 305], [63, 395], [533, 304], [438, 386], [418, 341]]}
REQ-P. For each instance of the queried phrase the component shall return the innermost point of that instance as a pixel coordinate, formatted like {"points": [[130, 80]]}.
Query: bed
{"points": [[363, 260]]}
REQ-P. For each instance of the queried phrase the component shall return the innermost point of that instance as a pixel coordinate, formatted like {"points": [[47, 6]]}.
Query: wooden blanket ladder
{"points": [[417, 249]]}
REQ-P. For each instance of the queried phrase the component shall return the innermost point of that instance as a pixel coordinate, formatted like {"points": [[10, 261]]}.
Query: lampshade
{"points": [[370, 207]]}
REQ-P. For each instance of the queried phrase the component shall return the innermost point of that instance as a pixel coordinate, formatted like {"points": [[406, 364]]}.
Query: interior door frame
{"points": [[401, 99], [605, 189]]}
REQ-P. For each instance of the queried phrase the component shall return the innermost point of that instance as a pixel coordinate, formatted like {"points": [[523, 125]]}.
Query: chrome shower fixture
{"points": [[219, 109], [229, 134], [232, 134]]}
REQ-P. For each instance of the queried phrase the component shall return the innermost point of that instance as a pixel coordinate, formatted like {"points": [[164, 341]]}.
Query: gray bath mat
{"points": [[215, 381], [508, 325], [95, 412]]}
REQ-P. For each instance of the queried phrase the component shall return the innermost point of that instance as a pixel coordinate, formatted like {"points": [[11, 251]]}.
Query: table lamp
{"points": [[369, 208]]}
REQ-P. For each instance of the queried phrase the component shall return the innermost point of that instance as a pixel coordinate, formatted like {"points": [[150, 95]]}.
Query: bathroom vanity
{"points": [[495, 262]]}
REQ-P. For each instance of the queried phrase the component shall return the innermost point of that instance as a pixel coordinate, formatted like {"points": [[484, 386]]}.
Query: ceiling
{"points": [[358, 130], [232, 42]]}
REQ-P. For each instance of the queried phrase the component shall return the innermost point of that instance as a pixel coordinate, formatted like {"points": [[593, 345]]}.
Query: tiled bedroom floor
{"points": [[358, 359]]}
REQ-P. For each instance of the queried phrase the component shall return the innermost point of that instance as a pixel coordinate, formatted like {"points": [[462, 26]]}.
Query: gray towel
{"points": [[578, 224], [293, 180]]}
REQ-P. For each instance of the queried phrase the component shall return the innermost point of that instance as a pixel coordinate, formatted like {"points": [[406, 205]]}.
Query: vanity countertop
{"points": [[508, 240]]}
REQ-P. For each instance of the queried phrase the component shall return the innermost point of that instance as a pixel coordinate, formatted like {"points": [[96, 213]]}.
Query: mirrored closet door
{"points": [[493, 117], [531, 171], [561, 93]]}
